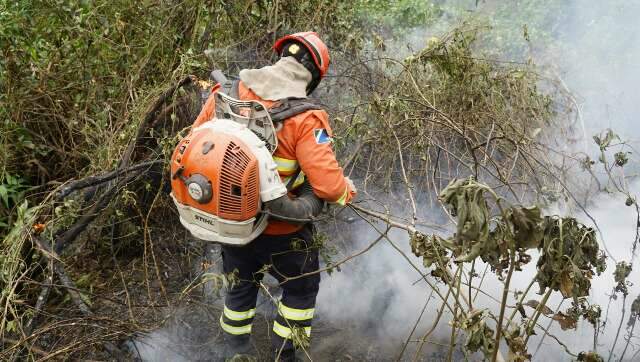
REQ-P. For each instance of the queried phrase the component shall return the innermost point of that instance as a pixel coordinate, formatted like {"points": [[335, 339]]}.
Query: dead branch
{"points": [[84, 221], [97, 180]]}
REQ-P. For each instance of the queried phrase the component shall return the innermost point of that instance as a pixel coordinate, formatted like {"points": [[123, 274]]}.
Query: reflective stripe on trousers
{"points": [[292, 321], [237, 322], [288, 333]]}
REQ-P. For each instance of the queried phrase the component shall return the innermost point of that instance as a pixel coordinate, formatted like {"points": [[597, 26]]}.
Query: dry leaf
{"points": [[566, 285], [565, 321], [38, 228], [534, 304]]}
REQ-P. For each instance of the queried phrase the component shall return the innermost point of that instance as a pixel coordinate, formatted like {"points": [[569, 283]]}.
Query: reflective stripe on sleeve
{"points": [[295, 314], [343, 199], [239, 316], [286, 165], [235, 330], [299, 180], [286, 332]]}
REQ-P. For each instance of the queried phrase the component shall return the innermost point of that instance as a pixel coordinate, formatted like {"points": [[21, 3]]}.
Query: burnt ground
{"points": [[151, 291], [192, 333]]}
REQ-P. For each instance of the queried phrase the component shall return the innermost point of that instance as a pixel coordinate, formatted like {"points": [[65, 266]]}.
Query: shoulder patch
{"points": [[322, 136]]}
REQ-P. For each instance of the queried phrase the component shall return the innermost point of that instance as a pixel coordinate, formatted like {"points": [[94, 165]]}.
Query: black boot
{"points": [[286, 355], [239, 348], [234, 348]]}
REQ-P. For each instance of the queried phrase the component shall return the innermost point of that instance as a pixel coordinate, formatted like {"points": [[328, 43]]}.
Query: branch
{"points": [[96, 180]]}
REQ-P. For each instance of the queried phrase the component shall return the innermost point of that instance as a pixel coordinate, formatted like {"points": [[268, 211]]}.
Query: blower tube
{"points": [[300, 210]]}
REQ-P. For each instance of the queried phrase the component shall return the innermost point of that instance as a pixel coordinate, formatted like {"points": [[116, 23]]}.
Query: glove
{"points": [[351, 185]]}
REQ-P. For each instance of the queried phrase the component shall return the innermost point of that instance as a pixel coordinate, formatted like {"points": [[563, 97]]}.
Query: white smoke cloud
{"points": [[595, 50]]}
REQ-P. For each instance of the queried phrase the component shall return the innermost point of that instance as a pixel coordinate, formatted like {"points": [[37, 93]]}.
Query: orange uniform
{"points": [[303, 143]]}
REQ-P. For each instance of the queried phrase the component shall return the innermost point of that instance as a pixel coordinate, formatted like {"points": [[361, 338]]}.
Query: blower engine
{"points": [[223, 176]]}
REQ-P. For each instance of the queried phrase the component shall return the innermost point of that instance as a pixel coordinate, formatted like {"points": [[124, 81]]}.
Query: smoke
{"points": [[599, 62], [378, 296], [593, 48], [373, 302], [596, 54]]}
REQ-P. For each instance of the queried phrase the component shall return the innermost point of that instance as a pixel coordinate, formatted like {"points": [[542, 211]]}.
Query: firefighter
{"points": [[285, 250]]}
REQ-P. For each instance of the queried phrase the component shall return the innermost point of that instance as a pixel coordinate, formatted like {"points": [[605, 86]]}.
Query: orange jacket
{"points": [[303, 142]]}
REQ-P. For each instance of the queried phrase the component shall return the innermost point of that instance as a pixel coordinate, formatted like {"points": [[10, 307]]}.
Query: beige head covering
{"points": [[286, 78]]}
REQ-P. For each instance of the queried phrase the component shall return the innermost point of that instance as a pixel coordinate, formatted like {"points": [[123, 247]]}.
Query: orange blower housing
{"points": [[223, 171], [227, 167]]}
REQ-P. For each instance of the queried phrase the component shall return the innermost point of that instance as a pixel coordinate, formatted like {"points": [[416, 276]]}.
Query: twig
{"points": [[388, 220], [633, 326], [415, 325], [332, 266], [519, 302], [32, 348], [452, 340], [546, 330], [564, 346], [41, 301], [615, 341], [505, 295], [82, 222], [414, 210], [433, 327], [149, 117], [530, 326]]}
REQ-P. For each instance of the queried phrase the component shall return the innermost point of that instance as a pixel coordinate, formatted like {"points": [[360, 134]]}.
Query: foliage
{"points": [[12, 264], [397, 16], [446, 109], [479, 334], [518, 29], [590, 357], [78, 76], [623, 269], [635, 312], [570, 257], [569, 251], [77, 79], [581, 308], [12, 189], [432, 251], [500, 236], [516, 340]]}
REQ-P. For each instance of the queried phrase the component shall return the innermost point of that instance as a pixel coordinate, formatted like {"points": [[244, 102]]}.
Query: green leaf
{"points": [[4, 195], [22, 209]]}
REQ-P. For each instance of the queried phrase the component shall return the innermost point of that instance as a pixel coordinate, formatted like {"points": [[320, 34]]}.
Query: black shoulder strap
{"points": [[290, 107]]}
